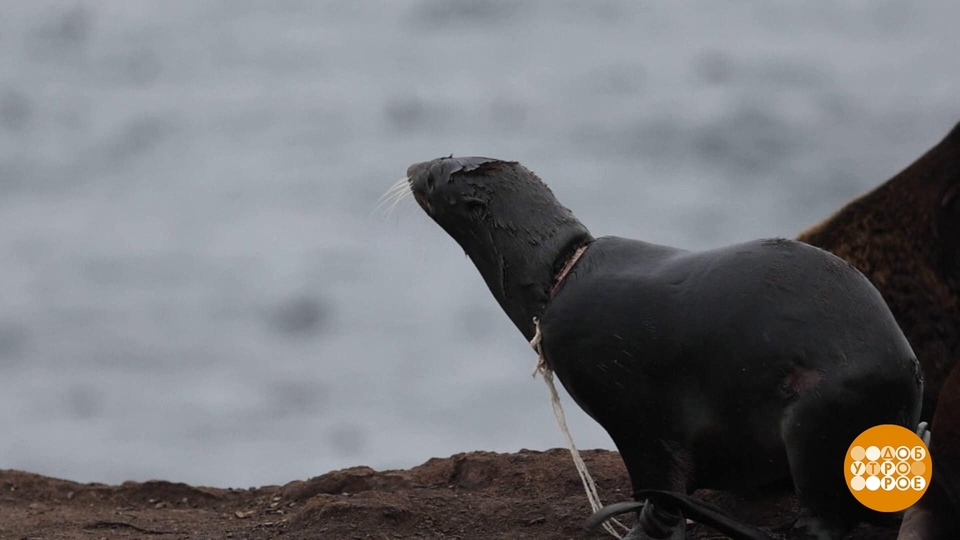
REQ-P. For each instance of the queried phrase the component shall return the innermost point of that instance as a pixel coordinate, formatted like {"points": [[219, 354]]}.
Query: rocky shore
{"points": [[472, 496]]}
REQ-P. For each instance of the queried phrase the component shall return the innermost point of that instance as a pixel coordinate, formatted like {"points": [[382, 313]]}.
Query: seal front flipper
{"points": [[923, 431], [611, 511], [656, 520], [652, 522]]}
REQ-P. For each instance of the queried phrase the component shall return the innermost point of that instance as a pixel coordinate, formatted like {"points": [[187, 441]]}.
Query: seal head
{"points": [[507, 221]]}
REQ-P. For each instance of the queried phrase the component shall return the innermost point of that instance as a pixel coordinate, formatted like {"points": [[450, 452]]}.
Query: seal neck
{"points": [[566, 270], [523, 277]]}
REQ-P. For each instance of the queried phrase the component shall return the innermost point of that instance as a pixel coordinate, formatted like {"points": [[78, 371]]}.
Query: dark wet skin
{"points": [[732, 368]]}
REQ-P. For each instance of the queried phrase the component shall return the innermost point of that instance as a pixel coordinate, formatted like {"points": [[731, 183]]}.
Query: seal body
{"points": [[731, 368]]}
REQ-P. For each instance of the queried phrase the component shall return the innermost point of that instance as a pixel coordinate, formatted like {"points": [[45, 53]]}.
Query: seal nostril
{"points": [[415, 169], [421, 177]]}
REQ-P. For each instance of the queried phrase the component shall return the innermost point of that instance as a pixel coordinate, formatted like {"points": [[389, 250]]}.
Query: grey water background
{"points": [[194, 284]]}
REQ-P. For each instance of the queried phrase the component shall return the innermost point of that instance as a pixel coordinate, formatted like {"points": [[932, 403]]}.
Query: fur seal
{"points": [[731, 368], [905, 237]]}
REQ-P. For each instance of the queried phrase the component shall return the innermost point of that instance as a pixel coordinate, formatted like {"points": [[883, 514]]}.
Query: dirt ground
{"points": [[477, 495]]}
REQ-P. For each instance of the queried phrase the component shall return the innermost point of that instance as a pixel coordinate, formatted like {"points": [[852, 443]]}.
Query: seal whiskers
{"points": [[400, 185], [394, 194]]}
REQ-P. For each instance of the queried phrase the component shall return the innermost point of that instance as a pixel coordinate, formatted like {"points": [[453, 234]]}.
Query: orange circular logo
{"points": [[887, 468]]}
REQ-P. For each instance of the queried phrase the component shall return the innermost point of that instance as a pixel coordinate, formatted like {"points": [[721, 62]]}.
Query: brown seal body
{"points": [[905, 237]]}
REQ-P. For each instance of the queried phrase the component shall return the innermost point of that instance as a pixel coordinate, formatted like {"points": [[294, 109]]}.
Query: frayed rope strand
{"points": [[588, 484]]}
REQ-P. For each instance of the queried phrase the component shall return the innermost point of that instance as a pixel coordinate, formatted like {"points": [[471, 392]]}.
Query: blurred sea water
{"points": [[195, 284]]}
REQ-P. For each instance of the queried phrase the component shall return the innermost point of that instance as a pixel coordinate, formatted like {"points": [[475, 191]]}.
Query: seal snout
{"points": [[422, 182], [417, 169], [424, 176]]}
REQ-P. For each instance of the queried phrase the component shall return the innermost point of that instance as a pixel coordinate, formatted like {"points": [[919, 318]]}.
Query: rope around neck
{"points": [[588, 484]]}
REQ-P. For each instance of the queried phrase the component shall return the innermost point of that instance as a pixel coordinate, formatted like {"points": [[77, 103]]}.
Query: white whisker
{"points": [[397, 186], [403, 195], [397, 190], [396, 196], [393, 197]]}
